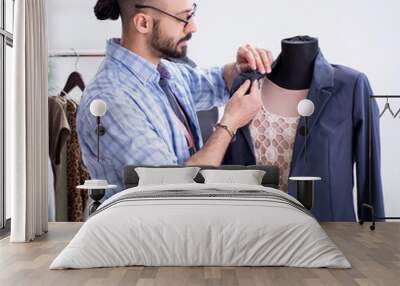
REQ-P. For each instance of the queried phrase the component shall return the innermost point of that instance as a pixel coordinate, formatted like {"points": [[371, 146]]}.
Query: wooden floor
{"points": [[374, 255]]}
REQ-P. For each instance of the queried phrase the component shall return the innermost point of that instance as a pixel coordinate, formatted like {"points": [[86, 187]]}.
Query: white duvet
{"points": [[202, 231]]}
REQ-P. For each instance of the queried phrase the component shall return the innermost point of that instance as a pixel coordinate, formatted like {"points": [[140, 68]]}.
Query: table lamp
{"points": [[97, 188], [305, 185], [306, 109], [98, 108]]}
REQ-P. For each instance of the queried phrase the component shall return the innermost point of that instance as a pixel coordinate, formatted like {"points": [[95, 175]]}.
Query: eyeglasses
{"points": [[185, 21]]}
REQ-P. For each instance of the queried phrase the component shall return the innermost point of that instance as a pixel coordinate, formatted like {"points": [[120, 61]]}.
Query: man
{"points": [[152, 103]]}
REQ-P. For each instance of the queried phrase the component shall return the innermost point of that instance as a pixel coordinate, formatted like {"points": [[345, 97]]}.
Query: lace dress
{"points": [[273, 130], [273, 137]]}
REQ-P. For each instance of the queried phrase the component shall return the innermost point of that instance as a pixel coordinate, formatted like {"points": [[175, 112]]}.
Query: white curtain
{"points": [[27, 123]]}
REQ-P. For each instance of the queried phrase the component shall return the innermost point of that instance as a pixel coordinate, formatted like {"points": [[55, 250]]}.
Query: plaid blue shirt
{"points": [[140, 124]]}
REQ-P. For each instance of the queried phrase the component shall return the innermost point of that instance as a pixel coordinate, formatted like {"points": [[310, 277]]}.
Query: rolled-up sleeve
{"points": [[207, 86]]}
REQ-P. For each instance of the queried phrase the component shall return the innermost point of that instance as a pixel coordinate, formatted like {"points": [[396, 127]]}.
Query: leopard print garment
{"points": [[76, 172]]}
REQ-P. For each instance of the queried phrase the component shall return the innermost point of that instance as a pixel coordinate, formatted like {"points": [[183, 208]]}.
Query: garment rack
{"points": [[77, 54], [370, 201]]}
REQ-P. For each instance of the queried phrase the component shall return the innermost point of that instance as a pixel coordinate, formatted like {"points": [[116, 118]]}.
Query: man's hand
{"points": [[251, 58], [242, 108], [248, 58]]}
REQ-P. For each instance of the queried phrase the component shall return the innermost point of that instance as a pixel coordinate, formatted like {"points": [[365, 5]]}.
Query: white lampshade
{"points": [[305, 107], [98, 107]]}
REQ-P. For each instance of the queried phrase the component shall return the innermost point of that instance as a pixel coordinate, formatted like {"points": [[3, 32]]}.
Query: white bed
{"points": [[201, 225]]}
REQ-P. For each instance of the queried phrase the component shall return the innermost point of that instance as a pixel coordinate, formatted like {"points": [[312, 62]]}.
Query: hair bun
{"points": [[107, 9]]}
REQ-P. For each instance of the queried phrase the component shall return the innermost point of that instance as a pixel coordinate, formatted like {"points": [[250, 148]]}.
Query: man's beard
{"points": [[166, 47]]}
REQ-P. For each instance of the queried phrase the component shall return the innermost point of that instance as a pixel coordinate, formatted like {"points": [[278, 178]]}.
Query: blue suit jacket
{"points": [[337, 141]]}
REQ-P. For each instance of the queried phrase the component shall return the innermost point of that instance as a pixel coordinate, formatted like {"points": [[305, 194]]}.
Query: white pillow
{"points": [[248, 177], [165, 176]]}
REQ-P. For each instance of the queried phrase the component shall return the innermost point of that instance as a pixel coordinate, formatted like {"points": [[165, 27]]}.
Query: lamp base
{"points": [[96, 195], [100, 130], [303, 131], [305, 193], [305, 190]]}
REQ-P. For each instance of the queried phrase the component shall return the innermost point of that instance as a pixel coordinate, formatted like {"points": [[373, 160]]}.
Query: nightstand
{"points": [[97, 190]]}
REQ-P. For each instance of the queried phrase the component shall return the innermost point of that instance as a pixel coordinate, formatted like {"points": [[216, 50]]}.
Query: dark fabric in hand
{"points": [[238, 152], [240, 79]]}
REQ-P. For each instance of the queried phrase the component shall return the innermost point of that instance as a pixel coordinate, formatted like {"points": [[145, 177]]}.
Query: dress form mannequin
{"points": [[295, 66], [339, 94]]}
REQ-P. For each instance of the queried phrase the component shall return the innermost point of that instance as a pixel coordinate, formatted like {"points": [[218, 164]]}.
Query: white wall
{"points": [[363, 34]]}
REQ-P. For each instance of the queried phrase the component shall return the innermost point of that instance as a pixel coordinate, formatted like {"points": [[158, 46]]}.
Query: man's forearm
{"points": [[213, 151]]}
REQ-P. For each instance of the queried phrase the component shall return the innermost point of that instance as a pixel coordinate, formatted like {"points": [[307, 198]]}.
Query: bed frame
{"points": [[270, 179]]}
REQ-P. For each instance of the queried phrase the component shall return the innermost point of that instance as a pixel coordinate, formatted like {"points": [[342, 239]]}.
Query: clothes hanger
{"points": [[397, 113], [74, 79], [388, 108]]}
